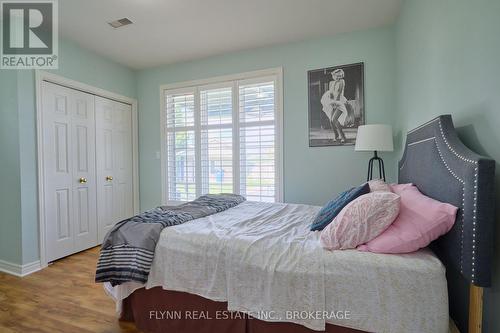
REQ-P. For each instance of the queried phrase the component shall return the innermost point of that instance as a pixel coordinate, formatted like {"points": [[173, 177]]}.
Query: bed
{"points": [[257, 267]]}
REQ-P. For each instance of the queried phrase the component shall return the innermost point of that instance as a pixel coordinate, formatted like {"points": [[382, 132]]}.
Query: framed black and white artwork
{"points": [[336, 104]]}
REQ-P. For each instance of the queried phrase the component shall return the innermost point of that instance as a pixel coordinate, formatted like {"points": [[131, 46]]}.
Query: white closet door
{"points": [[69, 165], [114, 163], [84, 193], [123, 176]]}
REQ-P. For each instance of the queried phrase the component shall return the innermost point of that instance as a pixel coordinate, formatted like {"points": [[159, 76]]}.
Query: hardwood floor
{"points": [[61, 298]]}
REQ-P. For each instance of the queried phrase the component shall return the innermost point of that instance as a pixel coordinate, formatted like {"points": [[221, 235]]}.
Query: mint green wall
{"points": [[21, 197], [10, 195], [311, 175], [449, 62], [88, 67]]}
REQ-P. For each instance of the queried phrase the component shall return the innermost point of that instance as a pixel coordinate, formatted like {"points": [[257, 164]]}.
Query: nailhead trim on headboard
{"points": [[474, 198], [463, 209], [474, 238]]}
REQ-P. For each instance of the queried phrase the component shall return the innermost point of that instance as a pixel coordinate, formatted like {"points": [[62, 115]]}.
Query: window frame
{"points": [[272, 74]]}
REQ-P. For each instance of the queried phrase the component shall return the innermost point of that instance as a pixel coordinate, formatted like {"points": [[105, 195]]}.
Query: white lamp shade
{"points": [[374, 138]]}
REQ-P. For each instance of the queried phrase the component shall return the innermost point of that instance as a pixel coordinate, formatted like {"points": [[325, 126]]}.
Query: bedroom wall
{"points": [[450, 64], [20, 197], [311, 175], [10, 228]]}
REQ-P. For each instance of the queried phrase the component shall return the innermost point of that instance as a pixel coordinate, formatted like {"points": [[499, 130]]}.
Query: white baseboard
{"points": [[19, 270], [32, 267]]}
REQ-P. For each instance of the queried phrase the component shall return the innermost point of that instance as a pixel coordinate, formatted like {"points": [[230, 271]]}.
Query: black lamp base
{"points": [[381, 169]]}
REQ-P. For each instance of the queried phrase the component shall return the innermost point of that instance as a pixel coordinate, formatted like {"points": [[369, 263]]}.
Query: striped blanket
{"points": [[128, 249]]}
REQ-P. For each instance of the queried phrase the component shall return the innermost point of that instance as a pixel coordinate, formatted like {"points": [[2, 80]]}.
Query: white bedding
{"points": [[261, 258]]}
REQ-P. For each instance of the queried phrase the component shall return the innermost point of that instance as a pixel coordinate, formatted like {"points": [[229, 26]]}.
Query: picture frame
{"points": [[336, 106]]}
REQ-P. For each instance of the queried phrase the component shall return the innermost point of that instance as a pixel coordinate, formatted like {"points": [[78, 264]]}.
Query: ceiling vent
{"points": [[120, 23]]}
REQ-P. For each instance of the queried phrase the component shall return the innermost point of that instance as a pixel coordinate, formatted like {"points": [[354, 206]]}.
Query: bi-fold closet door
{"points": [[87, 168], [114, 161], [68, 120]]}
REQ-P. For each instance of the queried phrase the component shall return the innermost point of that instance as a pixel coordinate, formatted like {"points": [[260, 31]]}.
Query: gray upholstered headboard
{"points": [[442, 167]]}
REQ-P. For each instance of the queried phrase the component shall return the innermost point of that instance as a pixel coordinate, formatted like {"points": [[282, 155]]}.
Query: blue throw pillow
{"points": [[333, 207]]}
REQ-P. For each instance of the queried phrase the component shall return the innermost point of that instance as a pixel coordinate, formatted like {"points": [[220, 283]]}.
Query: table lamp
{"points": [[374, 138]]}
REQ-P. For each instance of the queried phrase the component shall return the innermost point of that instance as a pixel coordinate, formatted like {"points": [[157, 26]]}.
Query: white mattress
{"points": [[261, 258]]}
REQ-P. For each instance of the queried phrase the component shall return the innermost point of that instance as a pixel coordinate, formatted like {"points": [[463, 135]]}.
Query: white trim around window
{"points": [[234, 81]]}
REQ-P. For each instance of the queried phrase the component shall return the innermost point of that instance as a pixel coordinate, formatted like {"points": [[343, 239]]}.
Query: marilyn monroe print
{"points": [[338, 112]]}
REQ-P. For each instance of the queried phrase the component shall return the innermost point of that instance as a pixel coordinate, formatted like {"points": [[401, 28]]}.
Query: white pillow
{"points": [[361, 221], [378, 185]]}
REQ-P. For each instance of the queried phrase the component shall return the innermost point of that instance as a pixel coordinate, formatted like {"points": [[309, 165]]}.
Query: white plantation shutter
{"points": [[216, 140], [222, 138], [257, 141], [180, 130]]}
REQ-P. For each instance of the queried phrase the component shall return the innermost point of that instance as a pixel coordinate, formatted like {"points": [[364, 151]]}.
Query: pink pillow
{"points": [[378, 185], [398, 188], [421, 220], [361, 220]]}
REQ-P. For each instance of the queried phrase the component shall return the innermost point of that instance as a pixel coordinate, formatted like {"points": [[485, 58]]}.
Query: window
{"points": [[223, 136]]}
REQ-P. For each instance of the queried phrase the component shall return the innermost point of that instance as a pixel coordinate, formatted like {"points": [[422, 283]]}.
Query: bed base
{"points": [[202, 318], [137, 305]]}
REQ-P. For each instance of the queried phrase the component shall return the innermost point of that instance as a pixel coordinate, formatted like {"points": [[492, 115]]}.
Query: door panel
{"points": [[57, 141], [83, 199], [105, 152], [61, 101], [108, 149], [82, 109], [124, 207], [61, 147], [63, 218], [83, 154], [107, 208], [68, 155], [114, 163]]}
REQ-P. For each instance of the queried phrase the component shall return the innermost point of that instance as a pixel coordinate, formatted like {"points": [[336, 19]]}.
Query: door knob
{"points": [[109, 178], [82, 180]]}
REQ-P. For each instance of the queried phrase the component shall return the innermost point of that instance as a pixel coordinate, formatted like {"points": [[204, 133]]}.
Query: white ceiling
{"points": [[168, 31]]}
